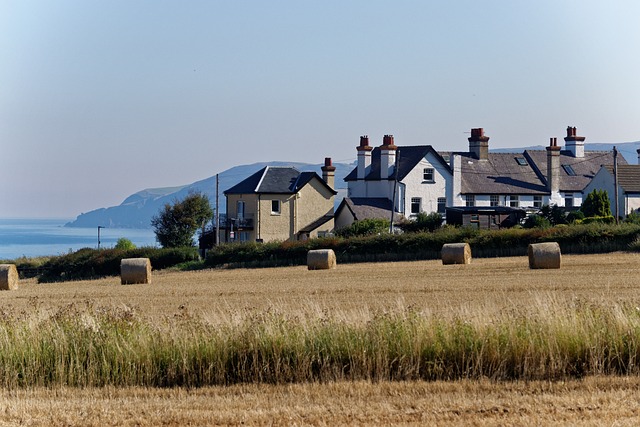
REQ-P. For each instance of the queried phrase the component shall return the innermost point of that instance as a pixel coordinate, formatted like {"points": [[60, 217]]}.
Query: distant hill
{"points": [[137, 210], [626, 149]]}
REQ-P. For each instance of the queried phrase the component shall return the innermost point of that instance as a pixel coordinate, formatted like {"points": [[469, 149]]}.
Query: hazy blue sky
{"points": [[100, 99]]}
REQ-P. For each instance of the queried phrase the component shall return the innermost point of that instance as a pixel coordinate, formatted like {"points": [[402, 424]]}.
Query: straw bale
{"points": [[135, 271], [456, 253], [544, 255], [8, 277], [321, 259]]}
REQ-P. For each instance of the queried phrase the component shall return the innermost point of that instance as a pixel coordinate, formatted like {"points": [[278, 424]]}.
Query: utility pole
{"points": [[615, 181], [99, 227], [217, 238]]}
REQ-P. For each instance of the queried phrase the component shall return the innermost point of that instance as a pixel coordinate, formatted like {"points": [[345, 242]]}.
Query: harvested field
{"points": [[474, 294], [355, 290]]}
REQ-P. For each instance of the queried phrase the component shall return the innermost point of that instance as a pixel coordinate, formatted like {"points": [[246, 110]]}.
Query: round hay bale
{"points": [[135, 271], [456, 253], [544, 255], [321, 259], [8, 277]]}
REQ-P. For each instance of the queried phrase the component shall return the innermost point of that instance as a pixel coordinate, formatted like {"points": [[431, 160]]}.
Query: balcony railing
{"points": [[238, 223]]}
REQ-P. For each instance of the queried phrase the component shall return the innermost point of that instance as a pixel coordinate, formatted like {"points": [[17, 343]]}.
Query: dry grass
{"points": [[590, 402], [355, 293]]}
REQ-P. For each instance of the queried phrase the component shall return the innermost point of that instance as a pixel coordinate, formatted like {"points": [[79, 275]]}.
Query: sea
{"points": [[45, 237]]}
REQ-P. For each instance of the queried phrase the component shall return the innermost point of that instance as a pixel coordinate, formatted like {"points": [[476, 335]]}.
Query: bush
{"points": [[365, 227], [596, 204], [633, 218], [423, 222], [536, 221], [575, 217], [175, 225]]}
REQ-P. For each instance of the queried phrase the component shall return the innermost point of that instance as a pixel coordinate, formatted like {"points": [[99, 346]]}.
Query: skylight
{"points": [[569, 170], [521, 161]]}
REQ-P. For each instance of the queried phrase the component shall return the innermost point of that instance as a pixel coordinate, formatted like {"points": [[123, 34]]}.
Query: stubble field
{"points": [[352, 294]]}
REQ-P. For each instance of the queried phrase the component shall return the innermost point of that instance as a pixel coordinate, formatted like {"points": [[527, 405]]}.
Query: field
{"points": [[488, 290]]}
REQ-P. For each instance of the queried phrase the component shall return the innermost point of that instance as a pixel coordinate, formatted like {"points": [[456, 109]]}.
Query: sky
{"points": [[101, 99]]}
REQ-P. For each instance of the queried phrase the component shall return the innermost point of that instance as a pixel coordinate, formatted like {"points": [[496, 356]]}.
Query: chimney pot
{"points": [[327, 161], [387, 140], [364, 141]]}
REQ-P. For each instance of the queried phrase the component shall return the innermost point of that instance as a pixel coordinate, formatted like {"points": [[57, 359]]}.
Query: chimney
{"points": [[574, 143], [328, 172], [553, 171], [479, 144], [387, 157], [364, 157]]}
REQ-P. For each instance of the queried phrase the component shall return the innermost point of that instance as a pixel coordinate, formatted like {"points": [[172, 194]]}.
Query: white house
{"points": [[628, 187]]}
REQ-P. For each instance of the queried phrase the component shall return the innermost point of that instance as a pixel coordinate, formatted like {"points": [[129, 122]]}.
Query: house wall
{"points": [[344, 218], [429, 192], [272, 226], [603, 180], [314, 201], [250, 210]]}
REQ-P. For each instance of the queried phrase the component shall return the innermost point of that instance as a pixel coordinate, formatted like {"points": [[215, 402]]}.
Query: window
{"points": [[514, 201], [568, 200], [442, 204], [521, 161], [427, 174], [446, 158], [537, 201], [415, 205], [470, 200], [275, 207], [569, 170], [494, 200]]}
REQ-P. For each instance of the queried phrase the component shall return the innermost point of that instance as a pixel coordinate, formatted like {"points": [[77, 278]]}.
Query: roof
{"points": [[500, 173], [409, 157], [276, 180], [318, 222], [628, 177], [367, 208], [585, 168]]}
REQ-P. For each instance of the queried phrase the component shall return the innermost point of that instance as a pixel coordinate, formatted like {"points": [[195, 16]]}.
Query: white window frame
{"points": [[442, 202], [278, 210], [494, 200], [470, 200], [569, 200], [240, 207], [537, 202], [426, 172], [416, 201], [514, 201]]}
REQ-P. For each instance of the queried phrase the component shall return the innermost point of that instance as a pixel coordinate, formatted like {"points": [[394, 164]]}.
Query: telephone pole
{"points": [[217, 238], [615, 181]]}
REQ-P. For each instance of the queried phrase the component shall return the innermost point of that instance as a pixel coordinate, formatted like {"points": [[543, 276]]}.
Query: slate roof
{"points": [[585, 168], [367, 208], [275, 180], [318, 222], [410, 156], [499, 174], [628, 177]]}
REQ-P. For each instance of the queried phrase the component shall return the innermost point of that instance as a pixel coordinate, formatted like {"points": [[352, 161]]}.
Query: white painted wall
{"points": [[415, 186]]}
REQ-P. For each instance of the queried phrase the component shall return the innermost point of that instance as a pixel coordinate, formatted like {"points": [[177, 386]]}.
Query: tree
{"points": [[596, 204], [175, 225], [124, 244], [364, 227]]}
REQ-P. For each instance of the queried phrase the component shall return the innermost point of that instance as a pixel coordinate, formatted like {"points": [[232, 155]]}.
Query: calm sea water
{"points": [[41, 237]]}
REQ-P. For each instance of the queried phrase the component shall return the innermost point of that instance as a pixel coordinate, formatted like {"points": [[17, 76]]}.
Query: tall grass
{"points": [[82, 345]]}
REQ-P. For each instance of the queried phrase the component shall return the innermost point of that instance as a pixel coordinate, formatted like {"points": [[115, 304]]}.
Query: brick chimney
{"points": [[479, 144], [387, 157], [328, 172], [574, 143], [364, 157], [553, 171]]}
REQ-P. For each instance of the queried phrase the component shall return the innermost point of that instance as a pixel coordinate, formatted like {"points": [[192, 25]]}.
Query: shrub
{"points": [[365, 227], [575, 217], [633, 218], [423, 222], [175, 225], [596, 204], [536, 221]]}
